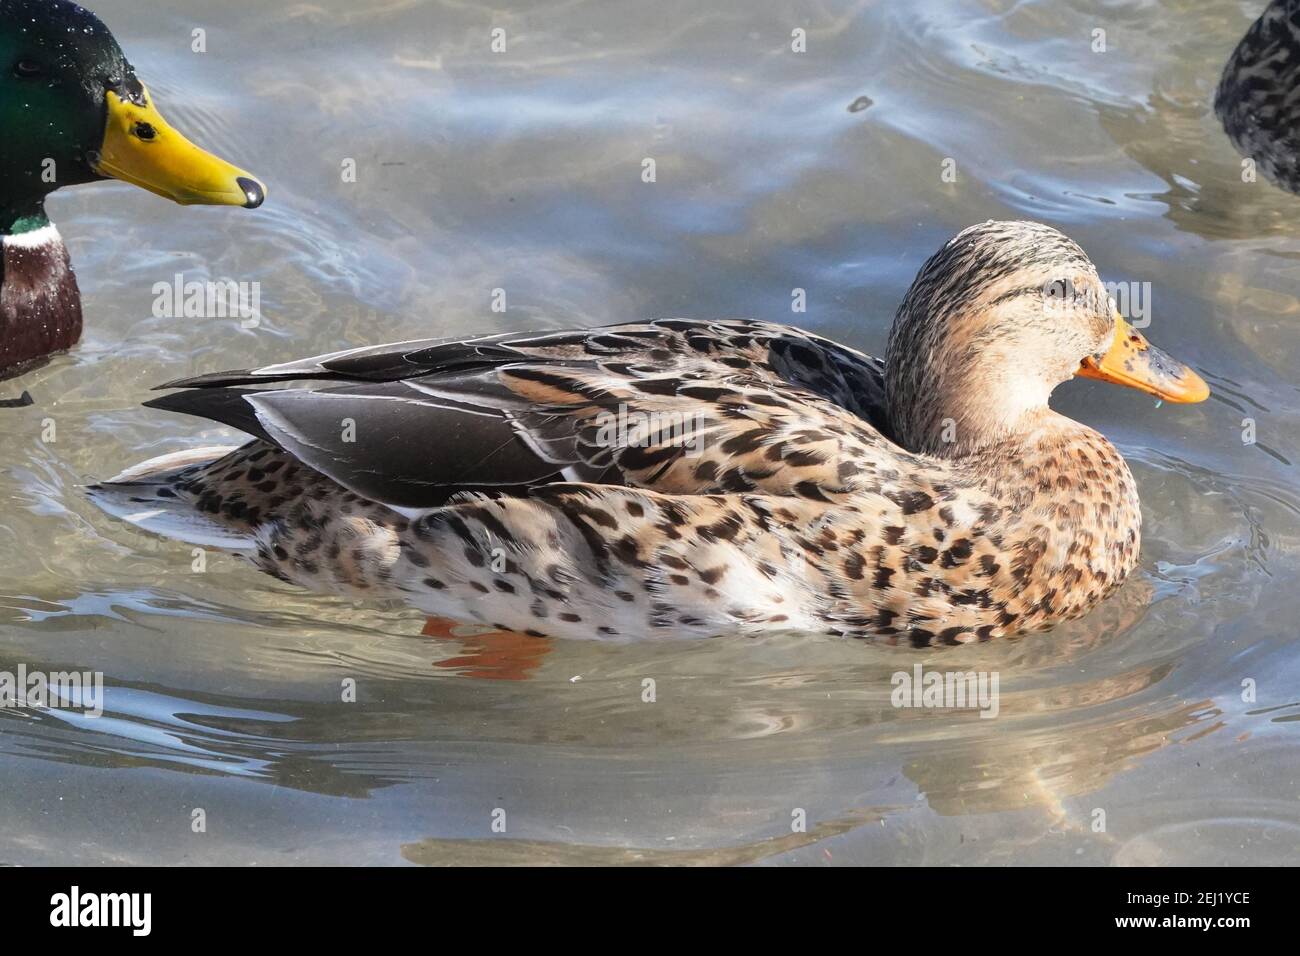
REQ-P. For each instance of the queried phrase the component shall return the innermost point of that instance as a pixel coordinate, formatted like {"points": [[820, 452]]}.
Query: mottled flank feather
{"points": [[473, 479]]}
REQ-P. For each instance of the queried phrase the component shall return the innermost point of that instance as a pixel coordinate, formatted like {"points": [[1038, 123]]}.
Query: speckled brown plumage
{"points": [[800, 509]]}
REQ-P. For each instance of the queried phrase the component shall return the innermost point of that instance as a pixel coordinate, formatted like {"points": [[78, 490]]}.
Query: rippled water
{"points": [[522, 171]]}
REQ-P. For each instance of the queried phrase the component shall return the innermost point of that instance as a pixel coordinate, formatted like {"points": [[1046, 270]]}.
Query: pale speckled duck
{"points": [[934, 498]]}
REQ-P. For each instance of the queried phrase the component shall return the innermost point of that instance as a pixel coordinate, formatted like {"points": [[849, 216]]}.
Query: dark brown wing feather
{"points": [[672, 405]]}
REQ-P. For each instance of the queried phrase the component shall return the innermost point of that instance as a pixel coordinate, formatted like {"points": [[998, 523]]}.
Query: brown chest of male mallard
{"points": [[40, 305], [681, 478], [72, 111]]}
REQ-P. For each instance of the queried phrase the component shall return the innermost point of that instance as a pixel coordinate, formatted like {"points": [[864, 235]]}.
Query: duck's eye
{"points": [[28, 69], [1062, 290]]}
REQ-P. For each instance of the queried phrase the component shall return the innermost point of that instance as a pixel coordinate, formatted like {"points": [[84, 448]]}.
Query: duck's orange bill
{"points": [[1133, 361]]}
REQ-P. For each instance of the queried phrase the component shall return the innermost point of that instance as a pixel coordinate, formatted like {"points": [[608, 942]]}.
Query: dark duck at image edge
{"points": [[72, 111], [1258, 97], [527, 481]]}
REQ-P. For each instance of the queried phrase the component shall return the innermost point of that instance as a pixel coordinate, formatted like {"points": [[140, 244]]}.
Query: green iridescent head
{"points": [[73, 111]]}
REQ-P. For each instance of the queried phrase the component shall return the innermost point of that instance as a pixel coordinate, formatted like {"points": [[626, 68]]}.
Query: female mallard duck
{"points": [[72, 111], [1256, 100], [682, 478]]}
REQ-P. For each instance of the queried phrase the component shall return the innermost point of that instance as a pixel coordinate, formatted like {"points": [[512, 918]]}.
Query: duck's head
{"points": [[994, 321], [73, 111]]}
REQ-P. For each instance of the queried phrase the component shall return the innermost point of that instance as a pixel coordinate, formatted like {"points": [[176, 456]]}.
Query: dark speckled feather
{"points": [[1258, 99]]}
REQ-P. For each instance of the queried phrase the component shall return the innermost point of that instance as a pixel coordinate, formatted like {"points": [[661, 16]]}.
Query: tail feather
{"points": [[146, 496], [226, 406]]}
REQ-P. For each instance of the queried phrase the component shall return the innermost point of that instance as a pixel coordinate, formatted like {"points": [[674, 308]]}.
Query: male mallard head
{"points": [[72, 111], [1256, 100], [994, 321]]}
